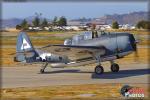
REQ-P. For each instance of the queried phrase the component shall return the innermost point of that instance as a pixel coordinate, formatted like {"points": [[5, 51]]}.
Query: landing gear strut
{"points": [[99, 69], [114, 67], [43, 67]]}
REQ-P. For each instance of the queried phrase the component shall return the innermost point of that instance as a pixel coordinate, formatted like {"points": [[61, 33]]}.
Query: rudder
{"points": [[24, 49], [23, 43]]}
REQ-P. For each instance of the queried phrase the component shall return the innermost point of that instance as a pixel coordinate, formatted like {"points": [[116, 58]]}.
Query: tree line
{"points": [[62, 21], [143, 24], [37, 22]]}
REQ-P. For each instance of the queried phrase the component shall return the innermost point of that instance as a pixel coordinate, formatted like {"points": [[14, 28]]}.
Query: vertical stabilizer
{"points": [[24, 49], [23, 43]]}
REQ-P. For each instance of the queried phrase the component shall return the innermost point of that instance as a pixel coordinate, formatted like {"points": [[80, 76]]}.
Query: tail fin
{"points": [[24, 49], [23, 43]]}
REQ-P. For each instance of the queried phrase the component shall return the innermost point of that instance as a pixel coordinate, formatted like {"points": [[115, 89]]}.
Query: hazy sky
{"points": [[70, 9]]}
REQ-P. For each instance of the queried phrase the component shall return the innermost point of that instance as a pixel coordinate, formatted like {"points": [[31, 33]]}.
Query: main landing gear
{"points": [[43, 67], [114, 67], [100, 70]]}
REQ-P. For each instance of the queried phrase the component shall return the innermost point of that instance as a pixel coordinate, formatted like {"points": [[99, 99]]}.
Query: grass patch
{"points": [[100, 91], [144, 32]]}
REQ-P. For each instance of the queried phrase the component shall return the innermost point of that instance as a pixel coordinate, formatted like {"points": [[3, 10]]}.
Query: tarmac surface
{"points": [[29, 76]]}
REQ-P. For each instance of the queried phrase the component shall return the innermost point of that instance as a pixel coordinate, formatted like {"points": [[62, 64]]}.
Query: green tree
{"points": [[139, 25], [143, 24], [36, 22], [24, 24], [147, 25], [44, 23], [55, 20], [18, 27], [115, 25], [62, 21]]}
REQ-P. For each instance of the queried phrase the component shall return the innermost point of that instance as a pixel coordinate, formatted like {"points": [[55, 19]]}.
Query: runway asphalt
{"points": [[29, 76]]}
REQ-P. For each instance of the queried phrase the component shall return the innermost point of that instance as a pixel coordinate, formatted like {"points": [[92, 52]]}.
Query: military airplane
{"points": [[81, 48]]}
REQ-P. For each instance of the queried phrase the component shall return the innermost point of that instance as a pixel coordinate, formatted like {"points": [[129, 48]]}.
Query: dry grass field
{"points": [[43, 38], [8, 42], [72, 92], [7, 57]]}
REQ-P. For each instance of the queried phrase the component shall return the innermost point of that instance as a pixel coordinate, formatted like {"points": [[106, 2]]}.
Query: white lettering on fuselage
{"points": [[44, 55]]}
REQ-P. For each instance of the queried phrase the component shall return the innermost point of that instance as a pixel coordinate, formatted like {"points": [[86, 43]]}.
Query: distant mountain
{"points": [[10, 22], [14, 21], [82, 19], [130, 18]]}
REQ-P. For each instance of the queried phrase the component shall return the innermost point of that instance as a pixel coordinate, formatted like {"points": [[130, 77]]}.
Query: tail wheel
{"points": [[99, 69], [43, 67], [114, 67], [42, 71]]}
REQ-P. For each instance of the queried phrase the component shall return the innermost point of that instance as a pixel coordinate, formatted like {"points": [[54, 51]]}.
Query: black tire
{"points": [[42, 71], [99, 70], [114, 67]]}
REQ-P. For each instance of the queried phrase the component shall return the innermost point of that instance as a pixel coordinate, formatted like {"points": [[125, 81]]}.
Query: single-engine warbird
{"points": [[81, 48]]}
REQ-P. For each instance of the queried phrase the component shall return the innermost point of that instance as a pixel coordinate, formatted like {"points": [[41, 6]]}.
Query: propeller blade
{"points": [[136, 54]]}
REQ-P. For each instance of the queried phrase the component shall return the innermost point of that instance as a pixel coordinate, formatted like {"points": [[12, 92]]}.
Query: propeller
{"points": [[136, 53], [134, 41]]}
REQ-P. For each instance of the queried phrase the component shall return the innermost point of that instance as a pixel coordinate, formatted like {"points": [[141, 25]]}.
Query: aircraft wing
{"points": [[73, 51]]}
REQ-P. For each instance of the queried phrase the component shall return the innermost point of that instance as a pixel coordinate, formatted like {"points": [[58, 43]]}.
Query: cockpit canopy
{"points": [[83, 36]]}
